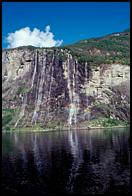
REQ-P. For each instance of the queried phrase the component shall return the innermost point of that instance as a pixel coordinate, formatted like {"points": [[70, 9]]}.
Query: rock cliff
{"points": [[51, 87]]}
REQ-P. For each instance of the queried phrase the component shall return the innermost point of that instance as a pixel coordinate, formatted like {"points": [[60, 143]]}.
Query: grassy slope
{"points": [[116, 44]]}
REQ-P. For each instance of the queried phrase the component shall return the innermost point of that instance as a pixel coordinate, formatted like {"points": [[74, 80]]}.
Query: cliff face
{"points": [[50, 86]]}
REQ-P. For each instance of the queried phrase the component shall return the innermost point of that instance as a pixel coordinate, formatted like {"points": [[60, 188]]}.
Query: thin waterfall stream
{"points": [[73, 95], [49, 91], [22, 109], [40, 90]]}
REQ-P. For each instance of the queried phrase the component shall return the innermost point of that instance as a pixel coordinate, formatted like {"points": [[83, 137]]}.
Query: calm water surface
{"points": [[81, 161]]}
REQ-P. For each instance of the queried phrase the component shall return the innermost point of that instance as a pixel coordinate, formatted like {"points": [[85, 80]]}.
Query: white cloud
{"points": [[25, 37]]}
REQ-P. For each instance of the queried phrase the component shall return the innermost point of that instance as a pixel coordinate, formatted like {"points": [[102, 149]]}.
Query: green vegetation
{"points": [[61, 57], [37, 126], [23, 90], [94, 60], [22, 47], [112, 122], [54, 125], [113, 48], [105, 122], [27, 47], [8, 116]]}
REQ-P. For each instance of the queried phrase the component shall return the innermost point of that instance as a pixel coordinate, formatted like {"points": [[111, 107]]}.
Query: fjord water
{"points": [[79, 161]]}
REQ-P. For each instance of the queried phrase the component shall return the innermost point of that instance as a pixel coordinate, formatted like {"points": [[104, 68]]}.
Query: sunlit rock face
{"points": [[49, 86]]}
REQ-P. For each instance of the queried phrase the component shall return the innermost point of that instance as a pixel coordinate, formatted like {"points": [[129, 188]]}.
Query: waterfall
{"points": [[25, 97], [70, 90], [40, 90], [49, 91], [35, 68], [76, 89], [22, 110], [74, 100], [86, 82], [72, 87]]}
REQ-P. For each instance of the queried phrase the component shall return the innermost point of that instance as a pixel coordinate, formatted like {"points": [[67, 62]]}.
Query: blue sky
{"points": [[70, 22]]}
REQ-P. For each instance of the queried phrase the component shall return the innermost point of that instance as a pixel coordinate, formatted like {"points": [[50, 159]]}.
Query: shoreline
{"points": [[30, 130]]}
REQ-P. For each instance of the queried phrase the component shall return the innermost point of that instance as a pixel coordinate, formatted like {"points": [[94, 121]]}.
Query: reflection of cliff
{"points": [[76, 151], [105, 168], [93, 161]]}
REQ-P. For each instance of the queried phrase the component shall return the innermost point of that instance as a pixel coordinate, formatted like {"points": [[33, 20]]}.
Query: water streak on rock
{"points": [[49, 90], [35, 68], [73, 95], [22, 110], [40, 90]]}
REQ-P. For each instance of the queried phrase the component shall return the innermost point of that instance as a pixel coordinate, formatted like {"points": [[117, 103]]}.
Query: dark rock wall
{"points": [[49, 86]]}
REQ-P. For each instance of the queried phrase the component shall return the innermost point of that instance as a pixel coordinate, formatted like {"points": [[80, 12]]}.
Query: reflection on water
{"points": [[95, 161]]}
